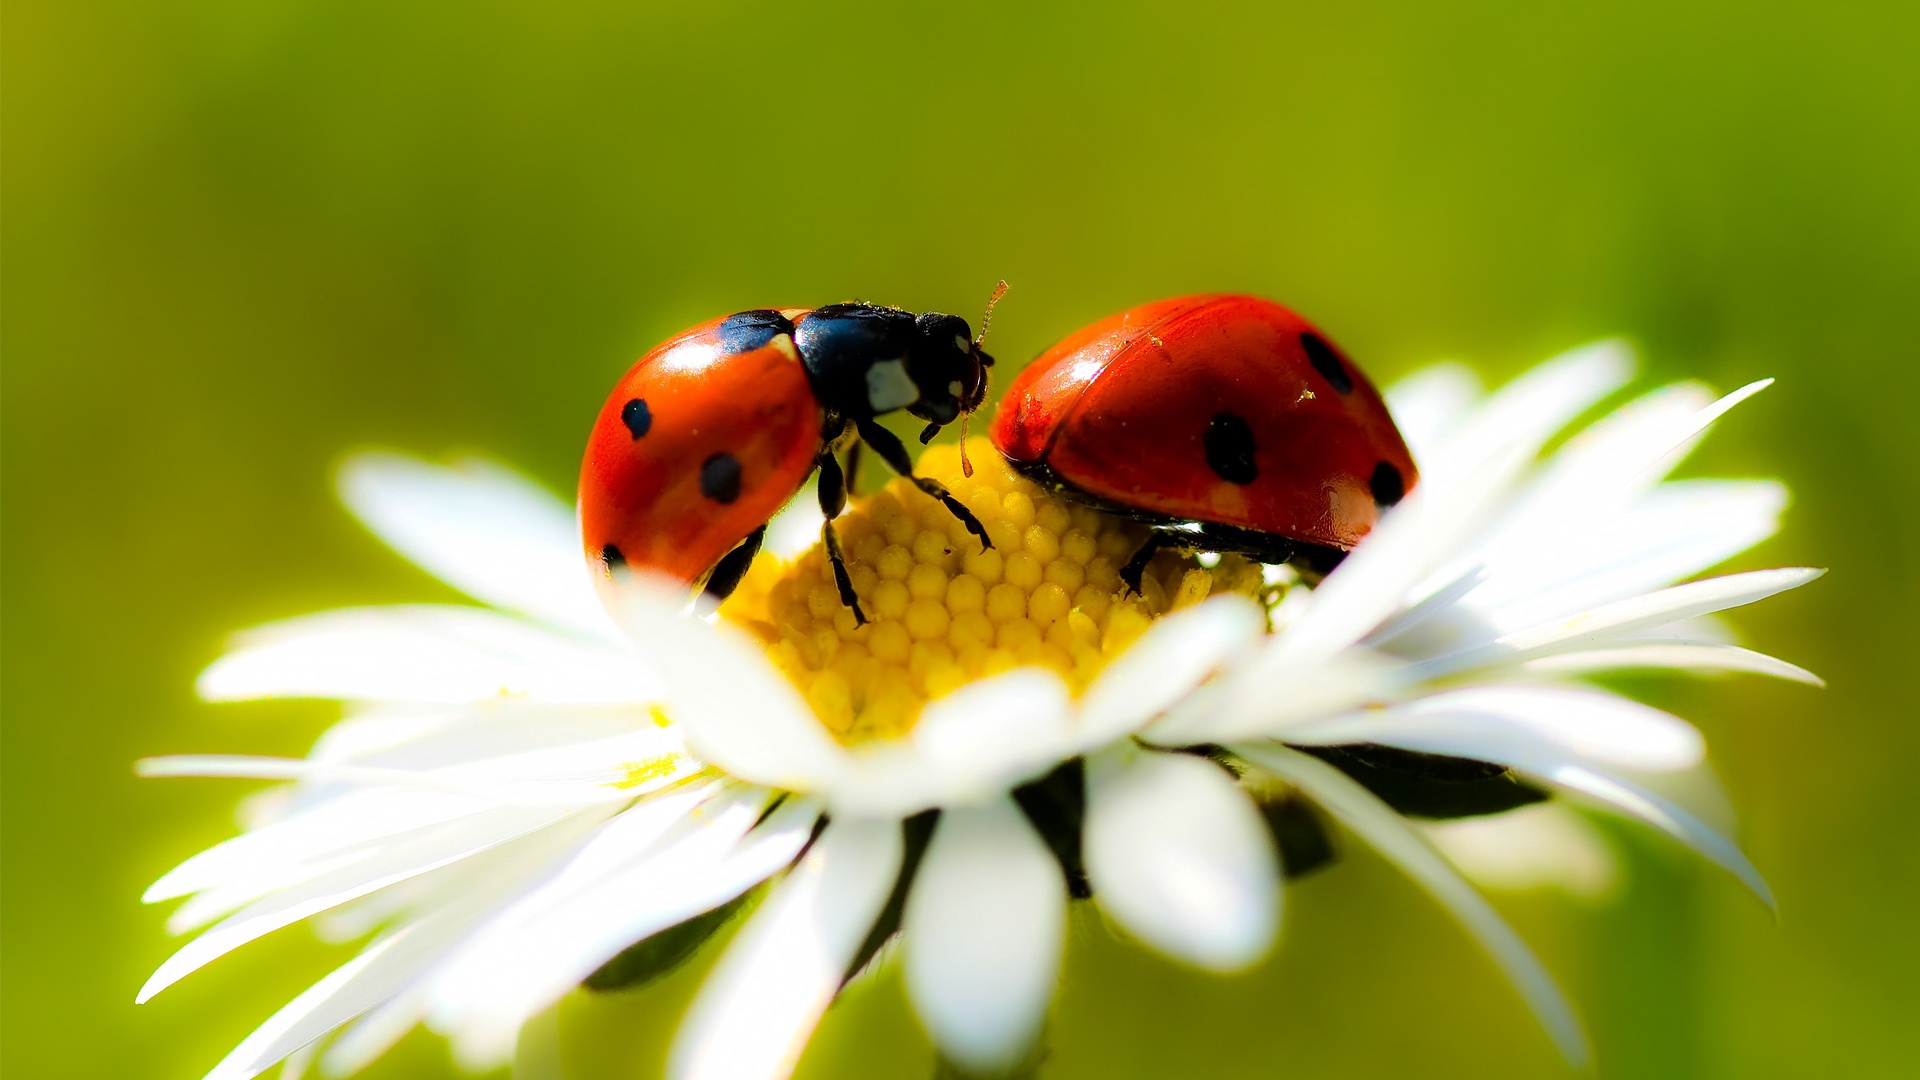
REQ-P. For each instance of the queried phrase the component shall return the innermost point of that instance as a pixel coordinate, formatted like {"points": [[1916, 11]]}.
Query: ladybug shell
{"points": [[696, 447], [1217, 408]]}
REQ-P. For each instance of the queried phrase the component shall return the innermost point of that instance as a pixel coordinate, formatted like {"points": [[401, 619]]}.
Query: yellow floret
{"points": [[943, 611]]}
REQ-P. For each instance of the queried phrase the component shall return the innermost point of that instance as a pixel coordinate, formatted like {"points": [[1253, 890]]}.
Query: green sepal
{"points": [[1430, 785], [653, 957]]}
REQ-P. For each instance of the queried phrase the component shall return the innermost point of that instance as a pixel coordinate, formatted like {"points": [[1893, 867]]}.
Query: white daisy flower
{"points": [[511, 805], [1453, 633], [520, 794]]}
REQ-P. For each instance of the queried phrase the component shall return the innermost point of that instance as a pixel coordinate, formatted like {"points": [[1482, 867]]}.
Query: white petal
{"points": [[1546, 845], [1675, 655], [342, 824], [1551, 536], [1522, 415], [463, 895], [1177, 654], [1601, 468], [297, 1063], [374, 1033], [1636, 801], [1380, 826], [423, 653], [333, 836], [1622, 618], [1585, 558], [1274, 692], [1439, 599], [1428, 404], [757, 1009], [426, 850], [739, 712], [380, 978], [994, 730], [1178, 856], [604, 770], [322, 1007], [1491, 723], [534, 952], [972, 744], [984, 925], [416, 737], [483, 529], [356, 987], [1412, 541]]}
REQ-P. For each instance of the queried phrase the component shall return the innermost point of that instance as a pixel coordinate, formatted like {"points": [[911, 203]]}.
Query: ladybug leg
{"points": [[894, 453], [731, 568], [1137, 565], [833, 499], [853, 467]]}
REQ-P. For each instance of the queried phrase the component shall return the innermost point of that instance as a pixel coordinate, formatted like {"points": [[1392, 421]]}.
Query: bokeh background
{"points": [[244, 236]]}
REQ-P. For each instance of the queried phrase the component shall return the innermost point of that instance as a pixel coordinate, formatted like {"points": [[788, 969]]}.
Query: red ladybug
{"points": [[714, 430], [1227, 422]]}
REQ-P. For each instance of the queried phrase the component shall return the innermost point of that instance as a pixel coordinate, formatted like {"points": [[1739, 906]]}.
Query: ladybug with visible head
{"points": [[714, 430], [1228, 423]]}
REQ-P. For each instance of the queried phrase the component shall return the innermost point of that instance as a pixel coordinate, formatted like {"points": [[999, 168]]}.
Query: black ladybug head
{"points": [[948, 366]]}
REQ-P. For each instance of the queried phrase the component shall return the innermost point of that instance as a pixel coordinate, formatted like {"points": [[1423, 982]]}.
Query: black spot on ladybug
{"points": [[637, 416], [1229, 444], [749, 330], [611, 558], [1326, 362], [1386, 484], [720, 478]]}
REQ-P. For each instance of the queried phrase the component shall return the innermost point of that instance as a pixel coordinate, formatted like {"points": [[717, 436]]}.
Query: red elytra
{"points": [[1228, 422], [711, 432]]}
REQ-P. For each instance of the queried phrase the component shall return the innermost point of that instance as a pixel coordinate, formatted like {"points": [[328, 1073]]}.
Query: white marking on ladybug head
{"points": [[889, 387], [965, 344], [784, 343]]}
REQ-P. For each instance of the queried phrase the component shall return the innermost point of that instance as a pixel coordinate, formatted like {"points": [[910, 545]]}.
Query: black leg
{"points": [[840, 578], [894, 453], [833, 499], [833, 486], [853, 467], [731, 568], [1137, 565]]}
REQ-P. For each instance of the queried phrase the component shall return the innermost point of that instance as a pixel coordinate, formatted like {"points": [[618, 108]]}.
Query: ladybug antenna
{"points": [[986, 319], [986, 322]]}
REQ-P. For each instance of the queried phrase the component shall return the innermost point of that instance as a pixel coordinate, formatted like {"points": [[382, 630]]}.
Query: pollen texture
{"points": [[942, 612]]}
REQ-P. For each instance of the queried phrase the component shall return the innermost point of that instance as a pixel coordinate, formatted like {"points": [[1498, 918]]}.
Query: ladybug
{"points": [[713, 431], [1227, 423]]}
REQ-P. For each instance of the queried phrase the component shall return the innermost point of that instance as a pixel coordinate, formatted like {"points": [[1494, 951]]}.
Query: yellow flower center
{"points": [[942, 612]]}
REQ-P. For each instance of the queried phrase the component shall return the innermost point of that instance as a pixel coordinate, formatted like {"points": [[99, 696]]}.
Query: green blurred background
{"points": [[243, 236]]}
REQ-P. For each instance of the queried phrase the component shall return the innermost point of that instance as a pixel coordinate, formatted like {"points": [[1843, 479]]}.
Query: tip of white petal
{"points": [[1179, 857], [222, 681], [1606, 364], [983, 929]]}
